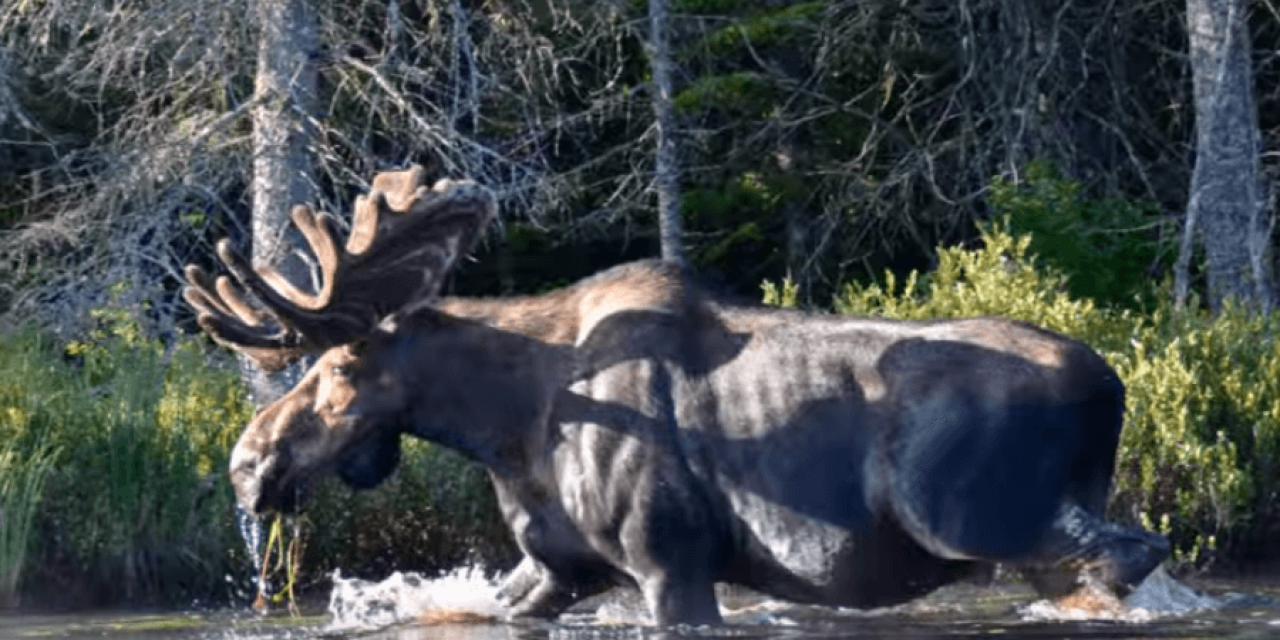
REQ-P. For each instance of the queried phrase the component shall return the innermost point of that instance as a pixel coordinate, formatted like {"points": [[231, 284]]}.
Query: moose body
{"points": [[639, 430]]}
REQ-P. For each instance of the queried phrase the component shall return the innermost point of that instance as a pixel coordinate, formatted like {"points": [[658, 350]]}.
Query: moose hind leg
{"points": [[1081, 546]]}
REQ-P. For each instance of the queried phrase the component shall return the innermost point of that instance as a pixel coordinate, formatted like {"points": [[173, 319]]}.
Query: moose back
{"points": [[641, 431]]}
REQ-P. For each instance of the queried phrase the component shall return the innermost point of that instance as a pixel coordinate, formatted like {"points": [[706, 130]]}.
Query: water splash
{"points": [[254, 534], [463, 596], [1159, 595], [1162, 593]]}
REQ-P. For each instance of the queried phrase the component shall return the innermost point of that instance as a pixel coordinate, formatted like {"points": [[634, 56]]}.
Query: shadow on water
{"points": [[462, 606]]}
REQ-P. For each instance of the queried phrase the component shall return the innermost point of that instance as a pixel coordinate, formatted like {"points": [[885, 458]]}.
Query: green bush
{"points": [[1198, 457]]}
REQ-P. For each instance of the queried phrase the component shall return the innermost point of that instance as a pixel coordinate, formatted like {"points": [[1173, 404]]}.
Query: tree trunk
{"points": [[1225, 199], [667, 170], [285, 82], [282, 170]]}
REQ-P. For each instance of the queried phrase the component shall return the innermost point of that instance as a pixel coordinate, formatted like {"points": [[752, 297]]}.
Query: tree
{"points": [[285, 87], [1225, 202], [666, 165]]}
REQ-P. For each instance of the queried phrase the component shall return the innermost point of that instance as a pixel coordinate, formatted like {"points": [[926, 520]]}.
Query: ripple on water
{"points": [[416, 605]]}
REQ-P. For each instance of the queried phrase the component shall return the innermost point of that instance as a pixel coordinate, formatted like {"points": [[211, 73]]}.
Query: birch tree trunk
{"points": [[1225, 200], [286, 79], [666, 165]]}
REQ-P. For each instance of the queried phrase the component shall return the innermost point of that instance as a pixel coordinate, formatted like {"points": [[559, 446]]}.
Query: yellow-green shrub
{"points": [[1202, 427]]}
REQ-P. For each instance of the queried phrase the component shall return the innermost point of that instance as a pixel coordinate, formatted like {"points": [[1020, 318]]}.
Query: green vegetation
{"points": [[767, 28], [22, 481], [1201, 447], [743, 93], [1112, 247], [131, 437]]}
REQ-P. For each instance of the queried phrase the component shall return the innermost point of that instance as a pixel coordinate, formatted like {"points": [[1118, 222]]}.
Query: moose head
{"points": [[405, 236]]}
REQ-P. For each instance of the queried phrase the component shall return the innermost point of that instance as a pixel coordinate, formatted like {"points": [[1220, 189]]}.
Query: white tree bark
{"points": [[1225, 200], [666, 169]]}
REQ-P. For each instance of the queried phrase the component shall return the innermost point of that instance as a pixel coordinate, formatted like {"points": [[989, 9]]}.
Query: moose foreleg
{"points": [[521, 581], [532, 591], [670, 553]]}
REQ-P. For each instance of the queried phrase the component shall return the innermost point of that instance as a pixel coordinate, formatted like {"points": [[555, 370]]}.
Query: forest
{"points": [[1105, 169]]}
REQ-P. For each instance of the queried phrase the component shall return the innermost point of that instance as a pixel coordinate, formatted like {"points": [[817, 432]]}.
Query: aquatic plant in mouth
{"points": [[283, 553]]}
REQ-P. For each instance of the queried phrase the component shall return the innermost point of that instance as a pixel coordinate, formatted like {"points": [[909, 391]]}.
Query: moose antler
{"points": [[404, 238]]}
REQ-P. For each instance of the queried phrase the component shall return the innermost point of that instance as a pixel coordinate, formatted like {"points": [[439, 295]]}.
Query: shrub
{"points": [[1199, 455]]}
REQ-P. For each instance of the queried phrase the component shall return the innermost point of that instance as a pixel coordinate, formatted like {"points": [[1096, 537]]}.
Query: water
{"points": [[463, 606]]}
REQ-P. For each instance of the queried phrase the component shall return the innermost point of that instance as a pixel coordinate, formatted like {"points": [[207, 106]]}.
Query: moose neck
{"points": [[480, 389]]}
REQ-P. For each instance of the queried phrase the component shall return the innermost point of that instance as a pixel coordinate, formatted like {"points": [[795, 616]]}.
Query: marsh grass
{"points": [[130, 438], [22, 479]]}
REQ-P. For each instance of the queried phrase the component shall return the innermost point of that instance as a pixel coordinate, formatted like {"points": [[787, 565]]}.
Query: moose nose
{"points": [[254, 475], [262, 482], [246, 480]]}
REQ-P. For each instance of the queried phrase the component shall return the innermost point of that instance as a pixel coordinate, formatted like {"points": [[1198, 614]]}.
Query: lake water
{"points": [[461, 606]]}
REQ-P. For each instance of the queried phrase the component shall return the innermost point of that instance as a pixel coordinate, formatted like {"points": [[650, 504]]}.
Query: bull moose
{"points": [[641, 430]]}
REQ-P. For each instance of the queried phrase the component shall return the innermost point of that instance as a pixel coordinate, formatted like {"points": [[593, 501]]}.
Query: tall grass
{"points": [[131, 441], [133, 438], [22, 479]]}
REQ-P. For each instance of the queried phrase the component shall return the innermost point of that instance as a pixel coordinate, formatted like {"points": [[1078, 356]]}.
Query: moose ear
{"points": [[370, 462]]}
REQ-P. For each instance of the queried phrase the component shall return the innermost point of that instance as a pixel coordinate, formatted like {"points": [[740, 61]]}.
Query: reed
{"points": [[22, 481]]}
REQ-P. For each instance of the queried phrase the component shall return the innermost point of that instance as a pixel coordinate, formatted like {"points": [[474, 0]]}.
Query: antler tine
{"points": [[320, 232], [420, 234], [313, 318], [404, 238], [398, 189], [223, 313]]}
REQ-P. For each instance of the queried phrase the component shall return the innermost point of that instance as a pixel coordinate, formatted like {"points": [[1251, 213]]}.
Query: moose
{"points": [[639, 429]]}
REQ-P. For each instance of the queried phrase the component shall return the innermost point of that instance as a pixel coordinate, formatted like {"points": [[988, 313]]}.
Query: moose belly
{"points": [[862, 563], [803, 529], [809, 549]]}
